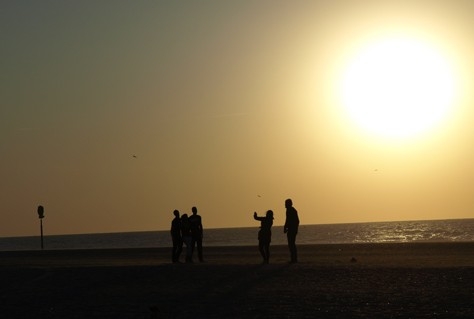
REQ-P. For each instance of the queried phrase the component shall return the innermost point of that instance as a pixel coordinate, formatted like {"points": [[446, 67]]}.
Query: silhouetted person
{"points": [[291, 228], [265, 235], [197, 232], [187, 237], [176, 237]]}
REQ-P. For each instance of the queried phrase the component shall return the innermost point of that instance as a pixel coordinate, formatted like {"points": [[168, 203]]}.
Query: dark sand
{"points": [[422, 280]]}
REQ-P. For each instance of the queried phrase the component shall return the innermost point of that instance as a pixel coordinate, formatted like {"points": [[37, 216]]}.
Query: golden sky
{"points": [[115, 113]]}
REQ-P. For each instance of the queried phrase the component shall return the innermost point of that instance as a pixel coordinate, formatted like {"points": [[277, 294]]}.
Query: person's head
{"points": [[269, 214], [176, 213], [194, 210], [288, 203], [184, 216]]}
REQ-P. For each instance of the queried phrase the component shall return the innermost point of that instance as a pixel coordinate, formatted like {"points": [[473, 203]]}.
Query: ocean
{"points": [[453, 230]]}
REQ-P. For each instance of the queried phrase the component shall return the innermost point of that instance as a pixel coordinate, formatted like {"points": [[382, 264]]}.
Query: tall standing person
{"points": [[176, 237], [197, 232], [291, 228]]}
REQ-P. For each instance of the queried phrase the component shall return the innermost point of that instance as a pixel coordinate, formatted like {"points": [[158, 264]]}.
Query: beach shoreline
{"points": [[402, 280], [410, 254]]}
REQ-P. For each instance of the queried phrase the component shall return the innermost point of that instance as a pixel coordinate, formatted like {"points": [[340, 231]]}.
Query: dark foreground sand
{"points": [[423, 280]]}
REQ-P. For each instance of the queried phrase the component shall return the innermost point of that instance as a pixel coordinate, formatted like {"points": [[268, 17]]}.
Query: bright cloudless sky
{"points": [[229, 106]]}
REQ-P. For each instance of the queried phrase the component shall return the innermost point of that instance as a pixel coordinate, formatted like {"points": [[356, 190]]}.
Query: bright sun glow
{"points": [[398, 87]]}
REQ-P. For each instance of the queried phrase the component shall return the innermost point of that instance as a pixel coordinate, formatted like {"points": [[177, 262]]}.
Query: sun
{"points": [[398, 87]]}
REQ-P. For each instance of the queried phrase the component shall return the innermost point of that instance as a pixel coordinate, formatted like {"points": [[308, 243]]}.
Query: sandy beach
{"points": [[412, 280]]}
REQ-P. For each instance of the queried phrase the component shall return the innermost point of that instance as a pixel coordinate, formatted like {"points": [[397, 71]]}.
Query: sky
{"points": [[115, 113]]}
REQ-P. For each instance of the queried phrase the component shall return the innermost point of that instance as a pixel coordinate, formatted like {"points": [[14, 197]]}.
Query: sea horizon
{"points": [[239, 227], [442, 230]]}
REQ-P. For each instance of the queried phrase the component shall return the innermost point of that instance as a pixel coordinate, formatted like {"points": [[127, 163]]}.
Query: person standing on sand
{"points": [[197, 232], [187, 237], [291, 228], [265, 235], [176, 237]]}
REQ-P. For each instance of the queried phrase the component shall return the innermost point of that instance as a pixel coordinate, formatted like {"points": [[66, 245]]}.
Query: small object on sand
{"points": [[154, 312], [353, 260]]}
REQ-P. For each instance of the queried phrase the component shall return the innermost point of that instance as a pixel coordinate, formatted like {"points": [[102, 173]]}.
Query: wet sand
{"points": [[422, 280]]}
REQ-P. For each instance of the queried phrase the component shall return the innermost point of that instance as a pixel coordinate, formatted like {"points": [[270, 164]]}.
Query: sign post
{"points": [[41, 216]]}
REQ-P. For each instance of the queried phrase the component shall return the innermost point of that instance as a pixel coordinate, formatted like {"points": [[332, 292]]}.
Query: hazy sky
{"points": [[230, 106]]}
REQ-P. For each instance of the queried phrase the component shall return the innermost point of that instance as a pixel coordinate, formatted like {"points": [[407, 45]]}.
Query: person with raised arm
{"points": [[265, 234]]}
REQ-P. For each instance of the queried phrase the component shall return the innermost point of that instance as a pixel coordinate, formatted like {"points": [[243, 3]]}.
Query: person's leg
{"points": [[267, 252], [199, 248], [294, 257], [261, 248], [292, 246], [179, 250], [193, 243], [173, 251], [189, 250]]}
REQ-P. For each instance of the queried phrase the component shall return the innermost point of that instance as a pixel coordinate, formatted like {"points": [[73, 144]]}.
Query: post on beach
{"points": [[41, 216]]}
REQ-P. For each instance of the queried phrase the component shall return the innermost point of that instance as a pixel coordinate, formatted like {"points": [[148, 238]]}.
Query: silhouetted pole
{"points": [[41, 216]]}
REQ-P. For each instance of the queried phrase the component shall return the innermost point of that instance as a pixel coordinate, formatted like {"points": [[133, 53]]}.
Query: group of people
{"points": [[188, 230], [290, 229]]}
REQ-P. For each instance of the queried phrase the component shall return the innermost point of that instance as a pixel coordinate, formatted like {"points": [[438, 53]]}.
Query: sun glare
{"points": [[398, 87]]}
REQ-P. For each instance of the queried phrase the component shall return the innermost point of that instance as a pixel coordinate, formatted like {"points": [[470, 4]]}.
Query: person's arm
{"points": [[201, 228], [257, 218]]}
